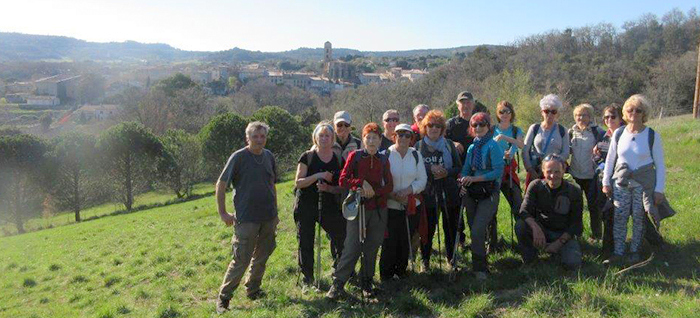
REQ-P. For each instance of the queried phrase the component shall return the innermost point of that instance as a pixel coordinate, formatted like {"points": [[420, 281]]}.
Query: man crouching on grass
{"points": [[252, 172], [550, 216]]}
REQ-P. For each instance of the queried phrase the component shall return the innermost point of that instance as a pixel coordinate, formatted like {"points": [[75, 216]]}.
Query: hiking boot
{"points": [[257, 295], [337, 291], [614, 260], [634, 258], [222, 305], [426, 266], [368, 288], [307, 287]]}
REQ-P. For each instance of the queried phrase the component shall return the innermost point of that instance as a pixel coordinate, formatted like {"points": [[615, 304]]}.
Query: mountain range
{"points": [[27, 47]]}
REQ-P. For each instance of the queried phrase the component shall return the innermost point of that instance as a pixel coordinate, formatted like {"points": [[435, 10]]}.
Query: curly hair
{"points": [[641, 102], [550, 101], [432, 117]]}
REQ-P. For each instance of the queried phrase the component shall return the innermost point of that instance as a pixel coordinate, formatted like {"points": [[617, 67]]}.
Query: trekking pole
{"points": [[319, 239], [437, 224], [410, 248], [363, 233], [512, 216], [447, 216], [453, 274]]}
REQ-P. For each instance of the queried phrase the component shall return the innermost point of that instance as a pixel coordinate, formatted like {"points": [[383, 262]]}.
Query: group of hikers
{"points": [[393, 187]]}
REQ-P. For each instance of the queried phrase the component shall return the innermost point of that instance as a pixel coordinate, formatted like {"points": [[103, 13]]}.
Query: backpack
{"points": [[387, 152], [383, 158], [309, 157], [598, 134], [652, 135], [536, 129]]}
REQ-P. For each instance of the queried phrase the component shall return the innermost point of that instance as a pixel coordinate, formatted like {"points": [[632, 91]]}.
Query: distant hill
{"points": [[26, 47], [237, 54]]}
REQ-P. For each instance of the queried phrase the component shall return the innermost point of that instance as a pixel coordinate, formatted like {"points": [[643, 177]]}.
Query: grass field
{"points": [[168, 261]]}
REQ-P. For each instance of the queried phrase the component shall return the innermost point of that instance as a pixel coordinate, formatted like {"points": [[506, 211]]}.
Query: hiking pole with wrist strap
{"points": [[363, 234], [319, 238], [437, 224]]}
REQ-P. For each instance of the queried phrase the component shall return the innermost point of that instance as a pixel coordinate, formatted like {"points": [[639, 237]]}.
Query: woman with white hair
{"points": [[317, 175], [635, 162], [547, 137]]}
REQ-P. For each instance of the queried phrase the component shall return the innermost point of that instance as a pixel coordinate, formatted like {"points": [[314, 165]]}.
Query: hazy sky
{"points": [[210, 25]]}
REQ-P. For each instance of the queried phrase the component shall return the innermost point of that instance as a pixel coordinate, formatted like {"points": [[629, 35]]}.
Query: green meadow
{"points": [[168, 257]]}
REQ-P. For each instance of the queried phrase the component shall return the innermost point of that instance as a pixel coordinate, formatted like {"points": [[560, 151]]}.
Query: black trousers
{"points": [[449, 212], [511, 191], [332, 222], [593, 192], [395, 248]]}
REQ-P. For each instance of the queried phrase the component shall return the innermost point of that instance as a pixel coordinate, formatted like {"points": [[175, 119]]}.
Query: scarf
{"points": [[479, 143], [441, 145]]}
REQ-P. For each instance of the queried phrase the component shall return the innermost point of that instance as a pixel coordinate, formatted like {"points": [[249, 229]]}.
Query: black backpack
{"points": [[387, 152], [652, 135]]}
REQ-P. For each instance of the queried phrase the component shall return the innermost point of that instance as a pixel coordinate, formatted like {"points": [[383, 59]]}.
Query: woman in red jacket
{"points": [[368, 172]]}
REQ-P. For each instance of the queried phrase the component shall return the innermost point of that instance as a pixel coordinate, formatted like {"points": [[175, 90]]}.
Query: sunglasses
{"points": [[342, 125], [550, 111], [431, 125], [554, 157], [404, 135], [634, 110], [609, 117], [505, 111], [480, 124], [396, 120]]}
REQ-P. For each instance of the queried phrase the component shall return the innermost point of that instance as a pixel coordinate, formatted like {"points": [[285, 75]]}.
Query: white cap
{"points": [[404, 127], [342, 116]]}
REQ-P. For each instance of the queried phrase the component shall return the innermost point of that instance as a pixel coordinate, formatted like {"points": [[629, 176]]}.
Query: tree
{"points": [[285, 131], [286, 138], [22, 167], [75, 158], [129, 151], [223, 135], [175, 83], [182, 164]]}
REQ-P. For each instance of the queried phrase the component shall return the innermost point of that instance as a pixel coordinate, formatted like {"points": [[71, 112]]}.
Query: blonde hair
{"points": [[639, 101], [324, 125], [585, 107]]}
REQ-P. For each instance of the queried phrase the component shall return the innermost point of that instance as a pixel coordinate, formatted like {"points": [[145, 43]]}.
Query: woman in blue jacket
{"points": [[481, 175]]}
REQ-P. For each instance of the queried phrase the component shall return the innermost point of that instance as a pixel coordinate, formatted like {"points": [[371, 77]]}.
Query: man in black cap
{"points": [[457, 130]]}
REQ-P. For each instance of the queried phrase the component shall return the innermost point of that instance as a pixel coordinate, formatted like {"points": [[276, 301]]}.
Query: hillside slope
{"points": [[168, 262]]}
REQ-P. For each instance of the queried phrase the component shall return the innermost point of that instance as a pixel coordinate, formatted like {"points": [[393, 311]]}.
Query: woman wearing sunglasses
{"points": [[409, 179], [442, 165], [547, 137], [510, 138], [481, 175], [634, 176]]}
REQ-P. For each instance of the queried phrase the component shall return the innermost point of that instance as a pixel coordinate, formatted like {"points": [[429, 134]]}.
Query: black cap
{"points": [[465, 95]]}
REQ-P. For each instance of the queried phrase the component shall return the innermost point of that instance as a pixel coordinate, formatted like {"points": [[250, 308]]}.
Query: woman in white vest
{"points": [[409, 177]]}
